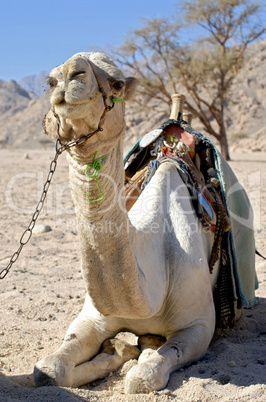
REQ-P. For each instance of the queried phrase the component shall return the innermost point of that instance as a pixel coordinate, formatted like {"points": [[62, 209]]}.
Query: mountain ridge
{"points": [[22, 110], [35, 83]]}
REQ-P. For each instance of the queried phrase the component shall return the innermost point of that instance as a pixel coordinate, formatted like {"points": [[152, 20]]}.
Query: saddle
{"points": [[174, 142]]}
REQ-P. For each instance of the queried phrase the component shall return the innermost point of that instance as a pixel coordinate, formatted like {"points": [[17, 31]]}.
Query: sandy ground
{"points": [[44, 291]]}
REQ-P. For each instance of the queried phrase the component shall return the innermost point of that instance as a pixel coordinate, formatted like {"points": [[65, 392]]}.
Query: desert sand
{"points": [[44, 292]]}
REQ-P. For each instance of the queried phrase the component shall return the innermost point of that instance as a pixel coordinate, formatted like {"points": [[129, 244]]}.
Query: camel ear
{"points": [[131, 84]]}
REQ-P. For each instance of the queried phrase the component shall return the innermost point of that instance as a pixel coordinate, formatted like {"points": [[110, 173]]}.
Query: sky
{"points": [[37, 35]]}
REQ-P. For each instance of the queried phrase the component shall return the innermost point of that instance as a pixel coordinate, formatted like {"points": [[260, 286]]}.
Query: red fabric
{"points": [[182, 135]]}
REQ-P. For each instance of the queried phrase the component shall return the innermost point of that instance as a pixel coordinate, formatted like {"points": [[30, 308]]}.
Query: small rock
{"points": [[202, 371], [166, 392], [224, 379], [231, 363], [262, 362], [42, 229], [26, 156], [41, 319]]}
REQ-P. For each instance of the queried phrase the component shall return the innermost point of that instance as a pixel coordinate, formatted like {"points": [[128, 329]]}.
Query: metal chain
{"points": [[59, 150], [28, 232]]}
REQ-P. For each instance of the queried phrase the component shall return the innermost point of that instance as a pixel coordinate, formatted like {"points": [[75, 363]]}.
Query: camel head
{"points": [[82, 89]]}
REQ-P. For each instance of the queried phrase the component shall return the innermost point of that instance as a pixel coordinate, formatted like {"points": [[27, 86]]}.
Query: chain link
{"points": [[26, 235]]}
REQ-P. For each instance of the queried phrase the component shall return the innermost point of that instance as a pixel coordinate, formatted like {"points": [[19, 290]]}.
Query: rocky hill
{"points": [[35, 83], [21, 114], [13, 98], [21, 111], [246, 116]]}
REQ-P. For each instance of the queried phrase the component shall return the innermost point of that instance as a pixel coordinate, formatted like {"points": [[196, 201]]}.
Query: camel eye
{"points": [[52, 82], [77, 74], [118, 84]]}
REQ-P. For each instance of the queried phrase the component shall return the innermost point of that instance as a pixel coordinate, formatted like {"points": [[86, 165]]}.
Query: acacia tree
{"points": [[148, 53], [204, 68]]}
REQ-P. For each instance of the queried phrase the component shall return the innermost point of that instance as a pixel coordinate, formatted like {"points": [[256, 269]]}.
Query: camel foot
{"points": [[145, 378]]}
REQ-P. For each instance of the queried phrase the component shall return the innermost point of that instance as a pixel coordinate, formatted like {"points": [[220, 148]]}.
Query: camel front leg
{"points": [[82, 342], [154, 367]]}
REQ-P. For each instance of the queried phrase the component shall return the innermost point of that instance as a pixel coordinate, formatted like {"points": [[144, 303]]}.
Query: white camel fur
{"points": [[146, 272]]}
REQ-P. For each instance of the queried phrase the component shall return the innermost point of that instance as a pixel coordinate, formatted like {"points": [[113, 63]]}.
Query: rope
{"points": [[96, 166]]}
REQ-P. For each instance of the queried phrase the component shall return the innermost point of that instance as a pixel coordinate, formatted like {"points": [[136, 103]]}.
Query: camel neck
{"points": [[109, 267]]}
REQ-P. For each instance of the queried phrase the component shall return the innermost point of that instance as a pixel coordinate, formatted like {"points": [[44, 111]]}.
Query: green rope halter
{"points": [[96, 166], [117, 100]]}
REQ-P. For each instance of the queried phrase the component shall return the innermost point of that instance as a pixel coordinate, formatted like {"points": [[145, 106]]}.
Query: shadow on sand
{"points": [[21, 388]]}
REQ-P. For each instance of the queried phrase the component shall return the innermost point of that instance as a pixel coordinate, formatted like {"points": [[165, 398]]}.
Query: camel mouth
{"points": [[71, 104], [73, 110]]}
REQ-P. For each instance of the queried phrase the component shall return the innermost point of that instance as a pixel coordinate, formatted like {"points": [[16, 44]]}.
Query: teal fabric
{"points": [[243, 242], [132, 150]]}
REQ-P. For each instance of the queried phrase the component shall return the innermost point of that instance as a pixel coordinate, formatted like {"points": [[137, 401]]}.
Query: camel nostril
{"points": [[58, 98]]}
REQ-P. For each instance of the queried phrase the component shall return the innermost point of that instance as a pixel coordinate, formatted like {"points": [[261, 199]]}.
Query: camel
{"points": [[145, 271]]}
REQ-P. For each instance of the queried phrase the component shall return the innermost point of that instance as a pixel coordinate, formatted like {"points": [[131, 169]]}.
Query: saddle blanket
{"points": [[238, 244]]}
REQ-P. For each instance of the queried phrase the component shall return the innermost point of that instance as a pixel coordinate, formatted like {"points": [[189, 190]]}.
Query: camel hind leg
{"points": [[148, 344], [155, 366], [114, 353]]}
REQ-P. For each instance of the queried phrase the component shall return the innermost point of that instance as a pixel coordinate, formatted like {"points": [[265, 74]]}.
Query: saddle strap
{"points": [[133, 188]]}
